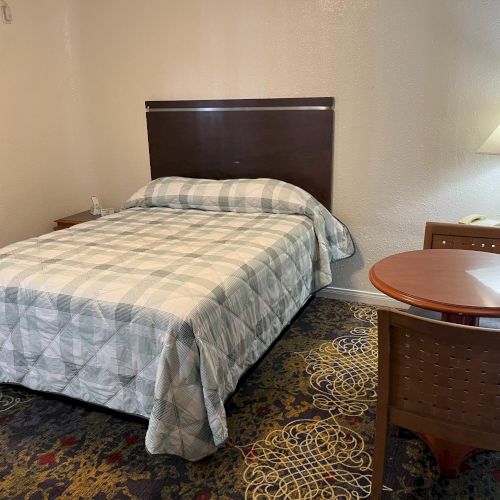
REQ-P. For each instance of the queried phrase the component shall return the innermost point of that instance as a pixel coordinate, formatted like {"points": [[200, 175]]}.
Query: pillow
{"points": [[230, 195]]}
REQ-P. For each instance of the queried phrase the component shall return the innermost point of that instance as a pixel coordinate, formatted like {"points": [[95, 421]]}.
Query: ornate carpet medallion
{"points": [[321, 458], [10, 397]]}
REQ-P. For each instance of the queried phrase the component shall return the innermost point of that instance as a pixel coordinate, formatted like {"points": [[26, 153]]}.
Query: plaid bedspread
{"points": [[154, 311]]}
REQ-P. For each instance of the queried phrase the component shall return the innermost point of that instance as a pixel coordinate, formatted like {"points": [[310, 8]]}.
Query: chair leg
{"points": [[379, 454]]}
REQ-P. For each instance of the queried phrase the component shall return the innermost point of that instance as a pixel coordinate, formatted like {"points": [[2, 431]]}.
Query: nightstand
{"points": [[72, 220]]}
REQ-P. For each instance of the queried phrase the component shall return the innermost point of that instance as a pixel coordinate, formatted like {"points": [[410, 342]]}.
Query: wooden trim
{"points": [[383, 389]]}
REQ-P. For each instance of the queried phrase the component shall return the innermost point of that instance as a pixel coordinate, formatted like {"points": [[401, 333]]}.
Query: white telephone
{"points": [[96, 207], [479, 220]]}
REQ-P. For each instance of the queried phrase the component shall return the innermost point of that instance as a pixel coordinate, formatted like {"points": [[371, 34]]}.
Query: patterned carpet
{"points": [[301, 426]]}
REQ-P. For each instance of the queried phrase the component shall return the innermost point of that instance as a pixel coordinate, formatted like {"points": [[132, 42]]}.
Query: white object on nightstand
{"points": [[96, 207]]}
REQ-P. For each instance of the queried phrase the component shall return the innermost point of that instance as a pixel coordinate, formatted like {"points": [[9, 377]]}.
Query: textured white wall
{"points": [[434, 97], [42, 145], [417, 88]]}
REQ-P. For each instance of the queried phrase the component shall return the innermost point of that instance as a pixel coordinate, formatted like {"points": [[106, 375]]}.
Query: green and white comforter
{"points": [[159, 309]]}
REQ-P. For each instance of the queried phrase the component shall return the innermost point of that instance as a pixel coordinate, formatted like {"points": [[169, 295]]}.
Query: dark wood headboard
{"points": [[288, 139]]}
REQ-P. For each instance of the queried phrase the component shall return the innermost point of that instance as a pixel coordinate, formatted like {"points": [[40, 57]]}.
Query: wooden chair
{"points": [[462, 237], [437, 378]]}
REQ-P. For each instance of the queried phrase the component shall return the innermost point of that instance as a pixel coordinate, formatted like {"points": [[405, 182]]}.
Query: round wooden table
{"points": [[462, 285]]}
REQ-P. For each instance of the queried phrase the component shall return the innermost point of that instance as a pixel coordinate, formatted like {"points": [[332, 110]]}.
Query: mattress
{"points": [[154, 311]]}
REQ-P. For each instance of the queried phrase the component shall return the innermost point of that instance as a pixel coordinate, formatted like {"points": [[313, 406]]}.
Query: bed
{"points": [[158, 310]]}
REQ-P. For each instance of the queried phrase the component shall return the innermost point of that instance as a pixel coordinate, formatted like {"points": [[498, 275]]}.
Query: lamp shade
{"points": [[492, 145]]}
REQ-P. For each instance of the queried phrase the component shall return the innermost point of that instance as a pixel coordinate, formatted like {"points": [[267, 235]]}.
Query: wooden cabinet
{"points": [[462, 236]]}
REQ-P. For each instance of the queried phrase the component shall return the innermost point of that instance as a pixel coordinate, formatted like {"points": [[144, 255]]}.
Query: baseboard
{"points": [[365, 297]]}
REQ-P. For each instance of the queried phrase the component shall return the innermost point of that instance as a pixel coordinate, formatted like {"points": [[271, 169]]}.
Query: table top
{"points": [[451, 281]]}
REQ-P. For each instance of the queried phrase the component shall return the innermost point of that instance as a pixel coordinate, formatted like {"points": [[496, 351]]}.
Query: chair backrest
{"points": [[462, 237], [441, 378]]}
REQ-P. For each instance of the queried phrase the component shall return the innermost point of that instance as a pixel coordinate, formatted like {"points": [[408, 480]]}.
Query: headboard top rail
{"points": [[292, 103]]}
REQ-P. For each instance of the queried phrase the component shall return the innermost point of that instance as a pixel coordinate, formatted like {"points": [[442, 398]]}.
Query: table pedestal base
{"points": [[461, 319], [450, 456]]}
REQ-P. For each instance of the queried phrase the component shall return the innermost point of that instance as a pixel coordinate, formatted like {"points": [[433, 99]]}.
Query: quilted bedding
{"points": [[157, 311]]}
